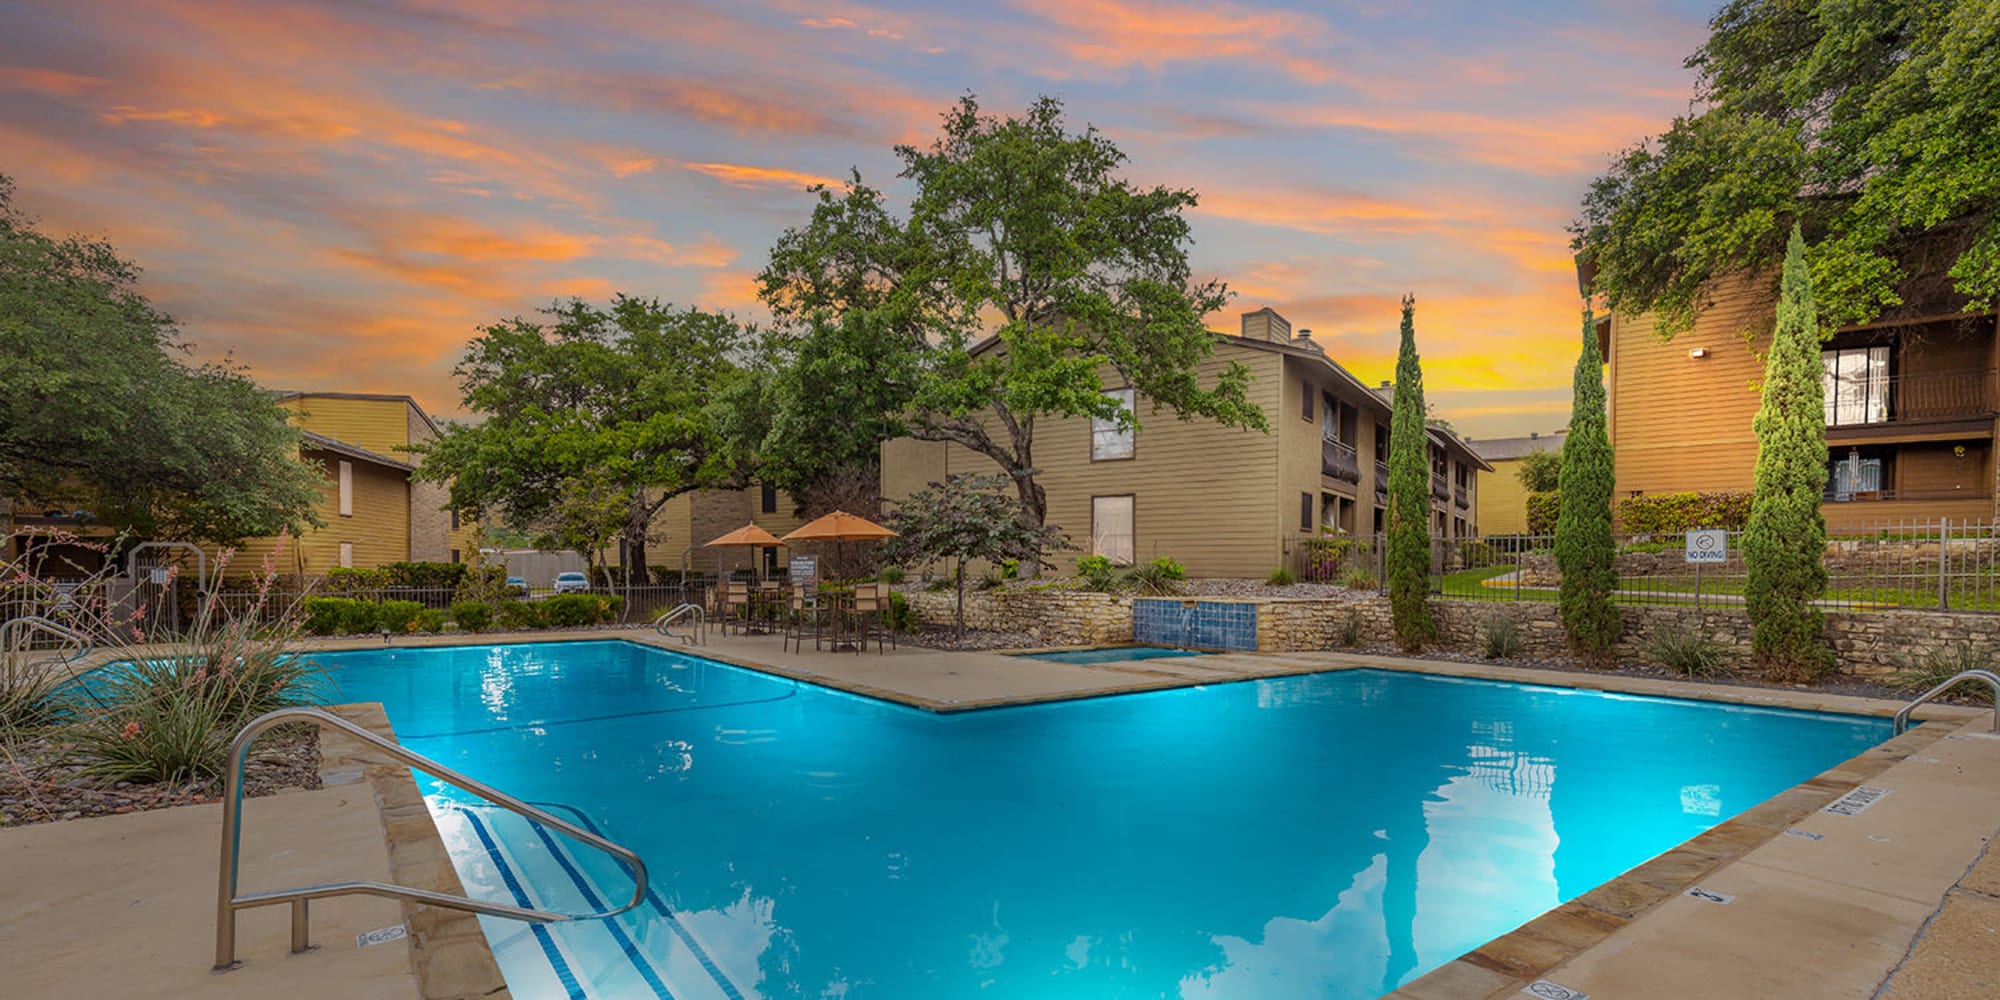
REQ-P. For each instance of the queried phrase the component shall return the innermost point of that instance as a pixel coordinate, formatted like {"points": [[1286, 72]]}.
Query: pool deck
{"points": [[1899, 901]]}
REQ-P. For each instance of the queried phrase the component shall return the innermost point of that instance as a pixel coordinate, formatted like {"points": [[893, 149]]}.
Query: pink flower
{"points": [[131, 730]]}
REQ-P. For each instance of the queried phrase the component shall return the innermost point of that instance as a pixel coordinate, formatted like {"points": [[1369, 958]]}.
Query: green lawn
{"points": [[1471, 584]]}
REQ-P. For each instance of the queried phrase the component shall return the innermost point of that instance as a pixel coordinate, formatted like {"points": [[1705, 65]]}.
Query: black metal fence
{"points": [[1928, 565]]}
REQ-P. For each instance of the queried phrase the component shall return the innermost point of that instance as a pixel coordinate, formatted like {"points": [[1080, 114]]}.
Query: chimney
{"points": [[1265, 324], [1386, 384], [1305, 339], [1532, 435]]}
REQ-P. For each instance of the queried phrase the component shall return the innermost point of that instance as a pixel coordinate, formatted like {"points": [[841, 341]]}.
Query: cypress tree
{"points": [[1785, 543], [1409, 556], [1585, 552]]}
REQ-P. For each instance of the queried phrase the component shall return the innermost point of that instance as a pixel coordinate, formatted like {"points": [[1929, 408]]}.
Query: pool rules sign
{"points": [[1708, 546]]}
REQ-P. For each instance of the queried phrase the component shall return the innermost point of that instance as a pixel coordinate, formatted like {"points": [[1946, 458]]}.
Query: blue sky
{"points": [[336, 193]]}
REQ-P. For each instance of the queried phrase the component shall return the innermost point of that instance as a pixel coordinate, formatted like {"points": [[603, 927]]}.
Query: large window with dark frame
{"points": [[1108, 439], [1856, 380]]}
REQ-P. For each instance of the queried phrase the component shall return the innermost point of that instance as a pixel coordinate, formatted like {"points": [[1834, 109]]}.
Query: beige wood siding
{"points": [[379, 527], [1502, 502], [379, 425]]}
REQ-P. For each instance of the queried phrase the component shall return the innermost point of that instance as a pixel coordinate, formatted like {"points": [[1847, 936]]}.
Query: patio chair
{"points": [[736, 607], [871, 615], [807, 617]]}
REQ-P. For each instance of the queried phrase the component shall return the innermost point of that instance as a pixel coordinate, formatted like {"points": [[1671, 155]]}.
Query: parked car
{"points": [[517, 584], [572, 583]]}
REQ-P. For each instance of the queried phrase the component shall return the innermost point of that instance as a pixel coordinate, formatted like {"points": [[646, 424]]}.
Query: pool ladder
{"points": [[13, 633], [228, 900], [1991, 680], [691, 613]]}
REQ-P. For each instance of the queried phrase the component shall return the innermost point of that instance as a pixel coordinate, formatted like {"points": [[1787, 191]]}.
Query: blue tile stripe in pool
{"points": [[596, 902], [686, 937], [1201, 624], [541, 932]]}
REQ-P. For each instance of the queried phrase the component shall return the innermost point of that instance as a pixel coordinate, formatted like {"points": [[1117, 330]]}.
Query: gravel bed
{"points": [[39, 784], [1856, 686], [1258, 588], [947, 638]]}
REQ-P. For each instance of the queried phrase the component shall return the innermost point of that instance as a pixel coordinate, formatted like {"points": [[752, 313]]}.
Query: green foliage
{"points": [[594, 409], [520, 614], [1679, 513], [1281, 577], [966, 518], [1359, 578], [1543, 510], [472, 616], [178, 737], [892, 574], [99, 409], [30, 696], [902, 617], [425, 575], [992, 579], [170, 718], [1159, 577], [1785, 541], [1096, 572], [1014, 219], [1943, 663], [575, 610], [1350, 631], [1687, 652], [430, 620], [325, 615], [1500, 636], [397, 616], [1409, 555], [1870, 125], [1540, 471], [1586, 555]]}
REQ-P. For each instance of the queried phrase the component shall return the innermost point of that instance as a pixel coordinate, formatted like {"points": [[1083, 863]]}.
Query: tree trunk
{"points": [[1034, 499], [961, 600]]}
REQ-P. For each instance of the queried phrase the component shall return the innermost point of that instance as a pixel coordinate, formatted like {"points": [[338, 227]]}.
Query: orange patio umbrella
{"points": [[839, 526], [750, 536]]}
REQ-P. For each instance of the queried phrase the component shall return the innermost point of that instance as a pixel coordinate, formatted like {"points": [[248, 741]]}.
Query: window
{"points": [[1305, 512], [346, 490], [1329, 421], [454, 555], [1856, 475], [346, 551], [1857, 385], [1306, 393], [454, 524], [770, 499], [1111, 528], [1108, 440]]}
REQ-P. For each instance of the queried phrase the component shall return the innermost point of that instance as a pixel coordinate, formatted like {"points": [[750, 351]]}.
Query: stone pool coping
{"points": [[1574, 931]]}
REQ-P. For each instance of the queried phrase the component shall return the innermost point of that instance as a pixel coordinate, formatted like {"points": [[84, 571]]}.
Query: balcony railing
{"points": [[1894, 398], [1339, 461], [1869, 496], [1381, 479], [1440, 487], [1461, 498]]}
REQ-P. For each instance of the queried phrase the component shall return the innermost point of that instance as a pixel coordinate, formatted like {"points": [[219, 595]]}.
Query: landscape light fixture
{"points": [[1698, 352]]}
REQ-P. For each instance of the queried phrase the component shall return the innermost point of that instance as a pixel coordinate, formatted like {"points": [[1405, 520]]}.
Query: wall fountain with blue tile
{"points": [[1195, 624]]}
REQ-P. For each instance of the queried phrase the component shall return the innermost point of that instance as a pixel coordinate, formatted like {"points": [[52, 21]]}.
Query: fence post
{"points": [[1944, 543]]}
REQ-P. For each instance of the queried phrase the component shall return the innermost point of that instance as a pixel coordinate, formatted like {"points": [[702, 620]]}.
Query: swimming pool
{"points": [[1110, 654], [1325, 836]]}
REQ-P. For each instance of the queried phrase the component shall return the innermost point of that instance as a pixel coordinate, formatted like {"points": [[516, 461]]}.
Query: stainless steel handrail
{"points": [[85, 645], [227, 901], [1992, 680], [695, 635]]}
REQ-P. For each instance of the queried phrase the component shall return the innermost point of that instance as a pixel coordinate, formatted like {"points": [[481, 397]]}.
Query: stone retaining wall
{"points": [[1870, 644]]}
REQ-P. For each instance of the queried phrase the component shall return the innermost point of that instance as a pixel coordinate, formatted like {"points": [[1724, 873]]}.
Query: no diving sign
{"points": [[1708, 546]]}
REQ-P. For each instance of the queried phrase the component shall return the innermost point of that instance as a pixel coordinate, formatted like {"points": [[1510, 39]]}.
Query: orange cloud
{"points": [[48, 81], [1563, 141], [1114, 34], [744, 176]]}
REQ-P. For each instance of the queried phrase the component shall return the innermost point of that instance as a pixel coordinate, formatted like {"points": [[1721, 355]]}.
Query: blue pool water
{"points": [[1323, 836], [1110, 654]]}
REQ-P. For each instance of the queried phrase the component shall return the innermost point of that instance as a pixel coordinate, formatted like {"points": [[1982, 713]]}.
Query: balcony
{"points": [[1461, 498], [1382, 480], [1440, 487], [1863, 401], [1338, 461], [1874, 496]]}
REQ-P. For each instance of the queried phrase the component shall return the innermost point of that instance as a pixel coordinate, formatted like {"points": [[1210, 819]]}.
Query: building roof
{"points": [[320, 442], [386, 397], [1508, 449]]}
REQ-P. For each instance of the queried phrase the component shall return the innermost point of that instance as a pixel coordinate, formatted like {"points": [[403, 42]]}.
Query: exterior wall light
{"points": [[1699, 352]]}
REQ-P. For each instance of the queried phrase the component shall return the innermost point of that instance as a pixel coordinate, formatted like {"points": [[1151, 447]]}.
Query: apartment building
{"points": [[1223, 501]]}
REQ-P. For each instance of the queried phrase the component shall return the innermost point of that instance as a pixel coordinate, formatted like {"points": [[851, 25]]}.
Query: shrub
{"points": [[892, 574], [614, 607], [1157, 577], [992, 579], [1096, 572], [324, 615], [1585, 552], [29, 695], [1500, 636], [1542, 511], [521, 614], [940, 584], [1679, 513], [472, 616], [360, 616], [1350, 631], [1360, 578], [171, 718], [1010, 569], [430, 620], [902, 617], [178, 737], [1688, 652], [427, 575], [1408, 560], [1940, 665], [572, 610], [1280, 577], [350, 582], [398, 616]]}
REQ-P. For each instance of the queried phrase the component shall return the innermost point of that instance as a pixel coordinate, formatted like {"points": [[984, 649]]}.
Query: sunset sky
{"points": [[335, 193]]}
